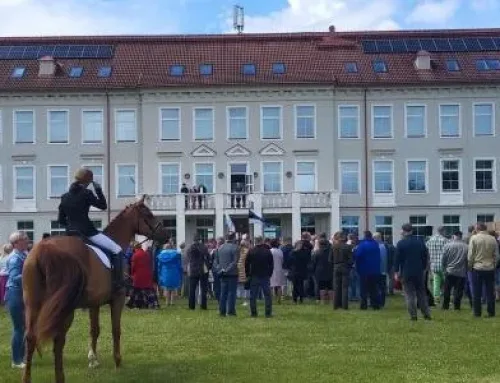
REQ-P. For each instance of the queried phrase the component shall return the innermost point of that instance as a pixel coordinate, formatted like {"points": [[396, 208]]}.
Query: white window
{"points": [[27, 227], [484, 124], [56, 228], [308, 224], [383, 225], [383, 177], [416, 172], [450, 176], [125, 126], [486, 218], [98, 172], [24, 127], [58, 180], [272, 175], [237, 121], [170, 129], [92, 126], [350, 224], [58, 121], [24, 182], [449, 120], [126, 180], [305, 121], [270, 123], [306, 176], [349, 177], [382, 121], [419, 223], [348, 121], [203, 124], [451, 224], [170, 174], [415, 121], [484, 174], [204, 175]]}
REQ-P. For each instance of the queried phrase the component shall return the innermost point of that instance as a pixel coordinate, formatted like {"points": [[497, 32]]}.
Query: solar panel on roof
{"points": [[369, 46], [46, 50], [487, 43], [472, 44], [75, 51], [61, 51], [4, 52], [90, 51], [428, 45], [105, 51], [413, 45], [399, 46], [16, 52], [384, 46], [496, 40], [457, 45], [33, 52], [442, 45]]}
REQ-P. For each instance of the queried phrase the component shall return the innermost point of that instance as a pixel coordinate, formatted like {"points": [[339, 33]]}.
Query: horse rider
{"points": [[74, 216]]}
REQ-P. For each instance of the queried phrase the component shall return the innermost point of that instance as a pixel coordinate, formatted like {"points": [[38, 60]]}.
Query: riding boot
{"points": [[118, 280]]}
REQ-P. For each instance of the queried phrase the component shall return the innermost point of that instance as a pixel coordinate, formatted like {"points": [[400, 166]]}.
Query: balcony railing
{"points": [[163, 202], [276, 200], [315, 199], [237, 201], [191, 201]]}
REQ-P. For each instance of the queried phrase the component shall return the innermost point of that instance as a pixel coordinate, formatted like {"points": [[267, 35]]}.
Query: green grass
{"points": [[307, 343]]}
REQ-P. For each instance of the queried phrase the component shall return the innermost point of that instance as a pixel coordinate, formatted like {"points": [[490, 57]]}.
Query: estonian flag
{"points": [[254, 218], [230, 224]]}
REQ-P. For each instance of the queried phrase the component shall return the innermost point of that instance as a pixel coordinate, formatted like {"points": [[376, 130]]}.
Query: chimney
{"points": [[331, 28], [47, 66], [423, 61]]}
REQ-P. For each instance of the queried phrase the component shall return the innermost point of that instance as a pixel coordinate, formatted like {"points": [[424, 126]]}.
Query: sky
{"points": [[97, 17]]}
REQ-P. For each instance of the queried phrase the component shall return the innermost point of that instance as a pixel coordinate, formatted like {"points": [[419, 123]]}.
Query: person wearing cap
{"points": [[74, 216]]}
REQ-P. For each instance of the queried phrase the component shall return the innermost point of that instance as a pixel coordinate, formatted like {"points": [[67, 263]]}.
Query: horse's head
{"points": [[145, 223]]}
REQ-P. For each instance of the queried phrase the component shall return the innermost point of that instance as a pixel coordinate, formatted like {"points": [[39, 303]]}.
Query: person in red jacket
{"points": [[144, 293]]}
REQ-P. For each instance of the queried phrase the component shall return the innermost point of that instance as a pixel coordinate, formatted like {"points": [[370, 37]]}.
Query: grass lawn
{"points": [[307, 343]]}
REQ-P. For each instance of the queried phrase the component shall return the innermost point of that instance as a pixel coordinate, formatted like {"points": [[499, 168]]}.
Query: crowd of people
{"points": [[336, 270]]}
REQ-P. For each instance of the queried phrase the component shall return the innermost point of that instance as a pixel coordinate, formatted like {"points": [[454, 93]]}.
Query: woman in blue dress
{"points": [[169, 272], [14, 294]]}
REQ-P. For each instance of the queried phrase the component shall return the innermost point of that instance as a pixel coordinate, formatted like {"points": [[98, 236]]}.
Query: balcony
{"points": [[315, 200], [276, 200], [238, 201]]}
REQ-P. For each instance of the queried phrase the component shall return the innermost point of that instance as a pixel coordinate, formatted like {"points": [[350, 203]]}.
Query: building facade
{"points": [[333, 136]]}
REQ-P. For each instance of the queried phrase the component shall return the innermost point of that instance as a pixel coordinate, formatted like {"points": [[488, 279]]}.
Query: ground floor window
{"points": [[419, 223], [350, 224], [56, 228], [307, 224], [485, 218], [205, 228], [383, 225], [451, 224], [272, 228], [28, 227], [170, 225]]}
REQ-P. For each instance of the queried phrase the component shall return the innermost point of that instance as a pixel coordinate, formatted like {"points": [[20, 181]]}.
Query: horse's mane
{"points": [[121, 213]]}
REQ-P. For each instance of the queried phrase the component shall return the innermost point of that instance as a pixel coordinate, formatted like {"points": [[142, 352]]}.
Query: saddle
{"points": [[109, 255]]}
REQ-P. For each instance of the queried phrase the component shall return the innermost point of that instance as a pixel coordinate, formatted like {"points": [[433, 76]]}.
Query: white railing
{"points": [[315, 199], [237, 201], [163, 202], [276, 200], [191, 201], [195, 201]]}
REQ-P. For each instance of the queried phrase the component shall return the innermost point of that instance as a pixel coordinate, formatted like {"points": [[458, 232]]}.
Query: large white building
{"points": [[313, 131]]}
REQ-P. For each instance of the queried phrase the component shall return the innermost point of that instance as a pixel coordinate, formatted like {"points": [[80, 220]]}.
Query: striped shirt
{"points": [[435, 245]]}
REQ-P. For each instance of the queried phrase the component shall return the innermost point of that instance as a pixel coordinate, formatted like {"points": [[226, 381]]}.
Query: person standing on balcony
{"points": [[226, 265], [202, 198], [185, 191]]}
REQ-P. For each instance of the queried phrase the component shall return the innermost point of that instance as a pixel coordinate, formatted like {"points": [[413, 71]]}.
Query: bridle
{"points": [[150, 227]]}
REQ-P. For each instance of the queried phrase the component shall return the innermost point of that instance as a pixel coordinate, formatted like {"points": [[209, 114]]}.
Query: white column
{"points": [[258, 227], [296, 221], [334, 212], [180, 219], [219, 215]]}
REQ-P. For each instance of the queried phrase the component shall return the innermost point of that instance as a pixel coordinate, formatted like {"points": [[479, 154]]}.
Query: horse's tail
{"points": [[65, 281]]}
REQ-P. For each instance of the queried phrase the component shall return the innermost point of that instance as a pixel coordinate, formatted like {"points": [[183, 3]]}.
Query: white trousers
{"points": [[106, 242]]}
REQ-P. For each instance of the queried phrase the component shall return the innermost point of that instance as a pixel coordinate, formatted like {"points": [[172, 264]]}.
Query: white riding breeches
{"points": [[106, 242]]}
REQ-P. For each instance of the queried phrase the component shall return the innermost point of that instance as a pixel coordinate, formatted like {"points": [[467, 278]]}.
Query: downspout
{"points": [[367, 178], [140, 154], [108, 154]]}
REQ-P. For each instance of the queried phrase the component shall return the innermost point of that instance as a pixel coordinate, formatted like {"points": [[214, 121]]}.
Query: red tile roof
{"points": [[310, 59]]}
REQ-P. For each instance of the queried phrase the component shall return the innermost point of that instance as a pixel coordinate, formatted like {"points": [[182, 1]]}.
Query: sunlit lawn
{"points": [[307, 343]]}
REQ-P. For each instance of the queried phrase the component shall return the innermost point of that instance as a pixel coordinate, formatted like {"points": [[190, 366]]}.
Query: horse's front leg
{"points": [[116, 315], [94, 335]]}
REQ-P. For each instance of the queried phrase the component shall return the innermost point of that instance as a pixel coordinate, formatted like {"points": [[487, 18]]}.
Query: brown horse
{"points": [[62, 274]]}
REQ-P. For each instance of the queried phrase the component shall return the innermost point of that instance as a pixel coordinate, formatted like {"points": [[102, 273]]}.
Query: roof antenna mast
{"points": [[238, 19]]}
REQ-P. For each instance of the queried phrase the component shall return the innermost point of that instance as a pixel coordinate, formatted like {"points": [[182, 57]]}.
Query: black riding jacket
{"points": [[74, 209]]}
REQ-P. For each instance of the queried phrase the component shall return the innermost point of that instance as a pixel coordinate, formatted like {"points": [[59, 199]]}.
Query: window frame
{"points": [[50, 194], [458, 68], [116, 112], [262, 107], [14, 73], [214, 172], [419, 225], [493, 126], [374, 191], [27, 231], [206, 65], [117, 179], [194, 123], [262, 178], [356, 232], [14, 127], [14, 178], [160, 177], [339, 123], [160, 125], [493, 170], [296, 177], [88, 165], [391, 117], [358, 162], [378, 61], [448, 225], [485, 214], [296, 116], [82, 112], [441, 170], [410, 104], [78, 69], [68, 129], [228, 123], [385, 226], [459, 133], [426, 175]]}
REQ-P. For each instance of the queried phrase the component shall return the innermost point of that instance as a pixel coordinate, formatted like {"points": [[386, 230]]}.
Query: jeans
{"points": [[382, 289], [202, 280], [484, 278], [457, 284], [298, 288], [390, 277], [256, 284], [415, 293], [354, 285], [15, 305], [369, 288], [227, 302], [217, 286], [241, 292]]}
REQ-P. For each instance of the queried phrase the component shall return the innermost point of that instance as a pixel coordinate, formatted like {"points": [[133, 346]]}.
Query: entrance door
{"points": [[238, 185], [241, 226]]}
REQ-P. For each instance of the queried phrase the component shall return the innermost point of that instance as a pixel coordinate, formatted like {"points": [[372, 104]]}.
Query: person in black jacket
{"points": [[323, 269], [259, 266], [197, 259], [74, 216], [343, 260], [299, 268]]}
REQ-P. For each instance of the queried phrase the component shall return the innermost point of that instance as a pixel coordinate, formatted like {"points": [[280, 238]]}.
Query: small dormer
{"points": [[47, 66], [423, 60]]}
